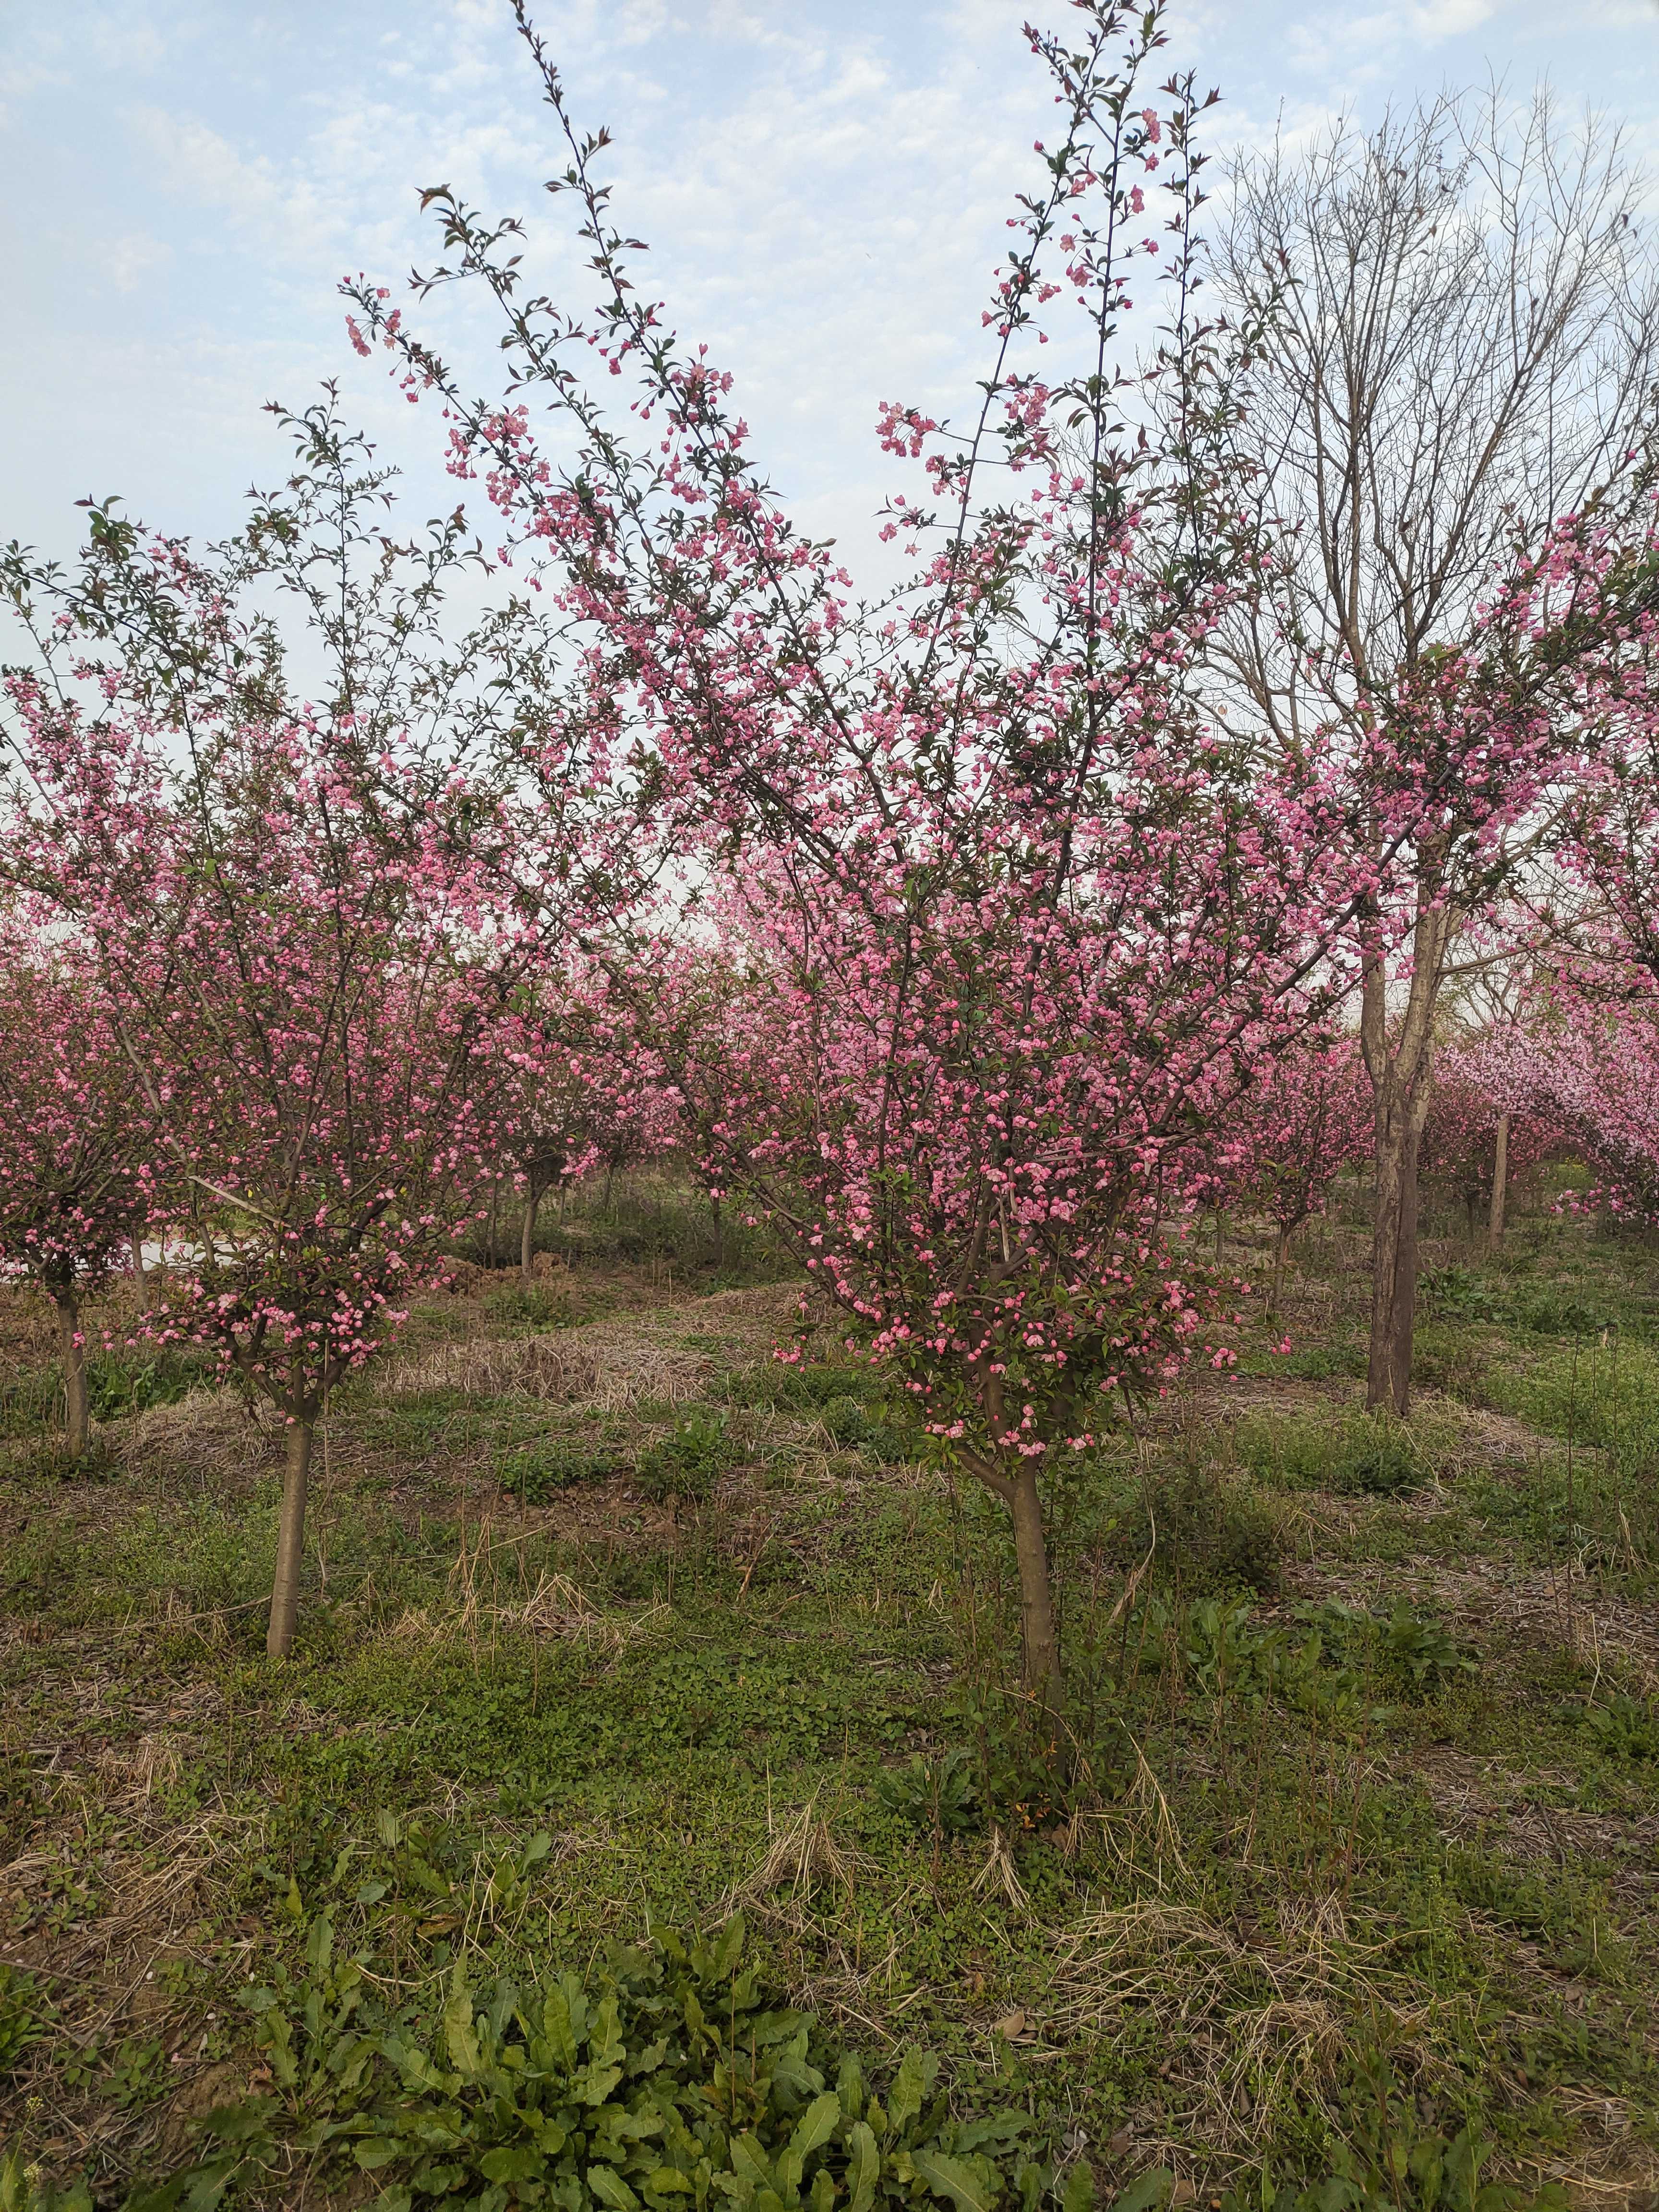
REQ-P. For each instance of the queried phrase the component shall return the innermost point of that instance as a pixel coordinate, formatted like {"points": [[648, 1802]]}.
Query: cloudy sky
{"points": [[823, 181]]}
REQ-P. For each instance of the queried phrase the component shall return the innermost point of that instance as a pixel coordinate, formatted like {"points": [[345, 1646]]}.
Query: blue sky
{"points": [[823, 181]]}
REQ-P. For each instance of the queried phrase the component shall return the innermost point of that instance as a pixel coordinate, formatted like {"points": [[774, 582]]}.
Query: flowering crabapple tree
{"points": [[1581, 1065], [78, 1154], [1447, 413], [572, 1088], [1484, 1128], [295, 1016], [1012, 923], [1308, 1117], [305, 917]]}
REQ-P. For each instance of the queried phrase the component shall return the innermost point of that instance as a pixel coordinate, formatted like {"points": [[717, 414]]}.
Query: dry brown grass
{"points": [[557, 1608], [608, 1365], [1251, 2017], [802, 1857]]}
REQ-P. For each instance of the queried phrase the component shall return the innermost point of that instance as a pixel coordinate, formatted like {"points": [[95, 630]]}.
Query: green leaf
{"points": [[971, 2183], [728, 1948], [207, 2186], [817, 2125], [558, 2028], [236, 2123], [459, 2036], [605, 2038], [1151, 2189], [863, 2168], [594, 2084], [319, 1944], [910, 2085], [515, 2162], [850, 2087], [608, 2185], [668, 2180], [377, 2151], [750, 2162], [1079, 2194]]}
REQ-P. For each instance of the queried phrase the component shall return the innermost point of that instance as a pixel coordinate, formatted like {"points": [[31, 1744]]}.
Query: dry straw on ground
{"points": [[801, 1858], [1256, 2016]]}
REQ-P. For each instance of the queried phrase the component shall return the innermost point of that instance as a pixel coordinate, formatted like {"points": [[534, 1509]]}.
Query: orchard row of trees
{"points": [[1259, 686]]}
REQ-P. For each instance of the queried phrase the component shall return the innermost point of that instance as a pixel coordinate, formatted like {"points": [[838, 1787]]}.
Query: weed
{"points": [[1363, 1453], [938, 1795], [536, 1470], [22, 2015], [676, 2077], [51, 1460], [1406, 2168], [1203, 1530], [119, 1386], [1623, 1727], [1459, 1294], [1421, 1652], [24, 2188], [689, 1461], [529, 1306]]}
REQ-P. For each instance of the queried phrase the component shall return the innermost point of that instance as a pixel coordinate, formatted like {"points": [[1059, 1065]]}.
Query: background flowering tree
{"points": [[77, 1147], [1448, 414], [304, 917], [1580, 1066], [1012, 923], [1308, 1117]]}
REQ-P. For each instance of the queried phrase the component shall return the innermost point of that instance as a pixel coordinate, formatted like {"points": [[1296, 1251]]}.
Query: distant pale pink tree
{"points": [[1309, 1116], [78, 1150], [305, 919]]}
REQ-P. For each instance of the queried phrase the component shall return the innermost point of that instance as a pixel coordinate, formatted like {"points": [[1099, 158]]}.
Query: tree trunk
{"points": [[77, 1416], [1281, 1254], [1404, 1269], [720, 1233], [1399, 1118], [1220, 1232], [290, 1537], [140, 1274], [490, 1226], [1036, 1603], [1500, 1179], [532, 1205]]}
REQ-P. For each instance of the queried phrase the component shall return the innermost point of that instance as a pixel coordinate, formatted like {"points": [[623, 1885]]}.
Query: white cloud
{"points": [[823, 183], [136, 257]]}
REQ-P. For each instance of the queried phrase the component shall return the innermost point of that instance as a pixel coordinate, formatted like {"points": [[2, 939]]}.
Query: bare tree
{"points": [[1455, 324]]}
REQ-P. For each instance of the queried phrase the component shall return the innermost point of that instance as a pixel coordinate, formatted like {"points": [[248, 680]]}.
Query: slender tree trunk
{"points": [[1500, 1181], [1405, 1267], [1281, 1254], [532, 1205], [1036, 1602], [1220, 1232], [76, 1408], [290, 1537], [1399, 1116], [140, 1274], [720, 1233], [490, 1226]]}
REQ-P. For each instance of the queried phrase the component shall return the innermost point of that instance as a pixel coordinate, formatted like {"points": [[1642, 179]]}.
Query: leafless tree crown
{"points": [[1460, 337]]}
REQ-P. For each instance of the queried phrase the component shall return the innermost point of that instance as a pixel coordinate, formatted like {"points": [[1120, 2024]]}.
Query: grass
{"points": [[614, 1623]]}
